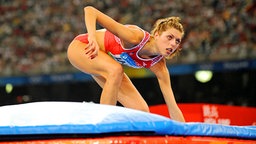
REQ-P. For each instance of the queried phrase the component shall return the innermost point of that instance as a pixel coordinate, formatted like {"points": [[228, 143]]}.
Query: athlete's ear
{"points": [[156, 34]]}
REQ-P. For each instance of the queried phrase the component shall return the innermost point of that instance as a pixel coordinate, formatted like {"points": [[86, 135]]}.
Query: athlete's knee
{"points": [[116, 73]]}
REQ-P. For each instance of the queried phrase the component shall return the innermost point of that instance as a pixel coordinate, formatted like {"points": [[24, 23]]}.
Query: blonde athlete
{"points": [[101, 53]]}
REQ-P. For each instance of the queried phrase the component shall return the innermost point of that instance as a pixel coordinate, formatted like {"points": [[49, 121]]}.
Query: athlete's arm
{"points": [[129, 34], [132, 35], [163, 77]]}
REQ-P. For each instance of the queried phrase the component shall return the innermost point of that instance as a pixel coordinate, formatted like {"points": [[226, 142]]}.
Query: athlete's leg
{"points": [[102, 65], [128, 95]]}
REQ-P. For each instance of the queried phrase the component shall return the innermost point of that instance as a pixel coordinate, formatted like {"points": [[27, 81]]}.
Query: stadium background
{"points": [[220, 36]]}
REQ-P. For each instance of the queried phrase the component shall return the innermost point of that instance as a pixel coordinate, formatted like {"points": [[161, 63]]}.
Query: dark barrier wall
{"points": [[233, 88]]}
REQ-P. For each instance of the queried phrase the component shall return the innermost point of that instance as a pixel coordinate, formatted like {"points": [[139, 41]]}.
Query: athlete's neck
{"points": [[149, 50]]}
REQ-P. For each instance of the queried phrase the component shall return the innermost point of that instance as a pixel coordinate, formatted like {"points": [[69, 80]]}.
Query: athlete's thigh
{"points": [[128, 95], [96, 66]]}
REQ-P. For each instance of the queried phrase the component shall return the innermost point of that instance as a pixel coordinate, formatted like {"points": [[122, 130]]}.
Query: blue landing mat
{"points": [[89, 118]]}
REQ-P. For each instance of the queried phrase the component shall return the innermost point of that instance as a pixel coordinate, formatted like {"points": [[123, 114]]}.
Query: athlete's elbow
{"points": [[89, 9]]}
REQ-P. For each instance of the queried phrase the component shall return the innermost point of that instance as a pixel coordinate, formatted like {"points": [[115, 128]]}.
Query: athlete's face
{"points": [[168, 41]]}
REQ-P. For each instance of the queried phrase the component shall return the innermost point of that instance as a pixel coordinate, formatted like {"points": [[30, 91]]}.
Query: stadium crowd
{"points": [[34, 35]]}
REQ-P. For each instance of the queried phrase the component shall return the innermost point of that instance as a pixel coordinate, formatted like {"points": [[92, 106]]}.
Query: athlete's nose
{"points": [[173, 43]]}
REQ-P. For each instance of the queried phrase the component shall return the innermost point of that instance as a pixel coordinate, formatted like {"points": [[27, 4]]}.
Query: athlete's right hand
{"points": [[92, 48]]}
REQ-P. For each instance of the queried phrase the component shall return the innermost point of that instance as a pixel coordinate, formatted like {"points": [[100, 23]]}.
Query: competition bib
{"points": [[125, 59]]}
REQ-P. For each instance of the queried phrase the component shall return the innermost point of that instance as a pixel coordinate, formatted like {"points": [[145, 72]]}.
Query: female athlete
{"points": [[101, 53]]}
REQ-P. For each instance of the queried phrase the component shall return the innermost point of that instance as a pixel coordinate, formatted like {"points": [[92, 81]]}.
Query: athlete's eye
{"points": [[178, 41], [169, 37]]}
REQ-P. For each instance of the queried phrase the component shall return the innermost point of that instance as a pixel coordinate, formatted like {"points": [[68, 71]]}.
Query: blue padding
{"points": [[90, 118]]}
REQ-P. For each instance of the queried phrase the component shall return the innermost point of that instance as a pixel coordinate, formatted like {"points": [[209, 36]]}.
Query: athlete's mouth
{"points": [[169, 51]]}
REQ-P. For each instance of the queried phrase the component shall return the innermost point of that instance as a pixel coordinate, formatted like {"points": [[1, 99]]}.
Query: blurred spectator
{"points": [[35, 34]]}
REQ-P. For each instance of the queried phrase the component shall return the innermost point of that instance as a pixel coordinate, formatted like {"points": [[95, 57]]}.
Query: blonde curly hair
{"points": [[164, 24]]}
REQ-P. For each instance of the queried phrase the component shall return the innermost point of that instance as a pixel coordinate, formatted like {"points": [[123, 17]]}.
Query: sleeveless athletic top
{"points": [[125, 56]]}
